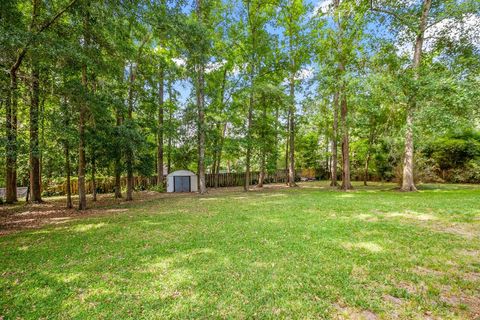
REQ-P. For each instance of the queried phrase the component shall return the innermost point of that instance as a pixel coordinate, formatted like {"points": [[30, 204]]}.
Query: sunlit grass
{"points": [[308, 252]]}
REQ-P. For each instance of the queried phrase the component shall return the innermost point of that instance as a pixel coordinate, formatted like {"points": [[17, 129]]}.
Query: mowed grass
{"points": [[308, 252]]}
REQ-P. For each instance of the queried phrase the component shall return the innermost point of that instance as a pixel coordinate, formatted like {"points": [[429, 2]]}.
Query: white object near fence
{"points": [[182, 181]]}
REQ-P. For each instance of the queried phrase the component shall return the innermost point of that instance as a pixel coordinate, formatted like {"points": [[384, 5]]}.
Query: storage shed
{"points": [[182, 181]]}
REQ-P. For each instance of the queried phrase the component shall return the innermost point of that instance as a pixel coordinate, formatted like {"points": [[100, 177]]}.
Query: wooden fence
{"points": [[233, 179]]}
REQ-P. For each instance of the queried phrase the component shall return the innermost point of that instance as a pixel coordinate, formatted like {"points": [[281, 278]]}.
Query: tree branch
{"points": [[392, 14], [45, 26]]}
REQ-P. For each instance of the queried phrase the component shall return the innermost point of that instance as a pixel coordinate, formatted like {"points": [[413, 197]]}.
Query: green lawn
{"points": [[307, 252]]}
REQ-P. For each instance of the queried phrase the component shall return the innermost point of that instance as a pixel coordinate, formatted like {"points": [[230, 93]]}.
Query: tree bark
{"points": [[35, 188], [371, 139], [408, 183], [220, 151], [346, 183], [365, 173], [118, 166], [261, 178], [129, 154], [246, 185], [82, 197], [287, 144], [94, 179], [170, 124], [334, 165], [160, 128], [11, 133], [82, 204], [291, 132], [201, 112], [67, 172], [34, 152]]}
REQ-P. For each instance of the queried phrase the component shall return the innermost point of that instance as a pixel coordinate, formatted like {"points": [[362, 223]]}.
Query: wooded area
{"points": [[113, 90]]}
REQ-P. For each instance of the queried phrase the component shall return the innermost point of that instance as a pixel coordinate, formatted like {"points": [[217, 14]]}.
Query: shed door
{"points": [[181, 184]]}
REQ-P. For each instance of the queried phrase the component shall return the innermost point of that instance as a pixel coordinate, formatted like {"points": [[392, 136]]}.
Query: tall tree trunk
{"points": [[334, 165], [94, 180], [201, 112], [287, 144], [263, 136], [82, 204], [346, 183], [220, 151], [291, 132], [67, 172], [369, 152], [246, 185], [66, 149], [118, 166], [160, 128], [408, 183], [82, 197], [35, 188], [365, 170], [129, 160], [42, 135], [169, 132], [34, 152], [11, 133]]}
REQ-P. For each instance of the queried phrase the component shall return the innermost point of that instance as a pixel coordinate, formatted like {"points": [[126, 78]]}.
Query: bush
{"points": [[157, 188]]}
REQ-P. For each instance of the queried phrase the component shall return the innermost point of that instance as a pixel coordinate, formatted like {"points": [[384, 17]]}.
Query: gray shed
{"points": [[182, 181]]}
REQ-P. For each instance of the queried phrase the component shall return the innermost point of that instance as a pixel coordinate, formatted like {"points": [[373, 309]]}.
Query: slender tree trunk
{"points": [[263, 136], [34, 152], [365, 174], [291, 132], [246, 185], [201, 130], [334, 166], [160, 128], [82, 197], [346, 183], [129, 162], [94, 180], [11, 133], [82, 205], [408, 183], [67, 172], [201, 112], [118, 166], [170, 124], [287, 143], [220, 151], [367, 159], [42, 140]]}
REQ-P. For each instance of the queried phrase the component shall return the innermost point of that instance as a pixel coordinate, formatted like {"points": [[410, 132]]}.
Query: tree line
{"points": [[125, 88]]}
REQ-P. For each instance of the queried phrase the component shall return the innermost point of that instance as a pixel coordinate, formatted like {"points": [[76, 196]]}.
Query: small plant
{"points": [[157, 188]]}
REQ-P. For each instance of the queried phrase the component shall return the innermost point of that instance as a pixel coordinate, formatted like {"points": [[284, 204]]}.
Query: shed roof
{"points": [[181, 173]]}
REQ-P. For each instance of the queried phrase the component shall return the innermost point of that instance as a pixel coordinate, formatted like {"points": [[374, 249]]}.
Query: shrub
{"points": [[157, 188]]}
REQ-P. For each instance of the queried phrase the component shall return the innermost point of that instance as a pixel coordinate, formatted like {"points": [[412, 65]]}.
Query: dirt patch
{"points": [[392, 299], [343, 312], [31, 216], [427, 272], [460, 300]]}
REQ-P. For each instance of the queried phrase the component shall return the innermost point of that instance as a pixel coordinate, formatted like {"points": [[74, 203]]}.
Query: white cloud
{"points": [[180, 62], [451, 29], [322, 7], [304, 74], [212, 66]]}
